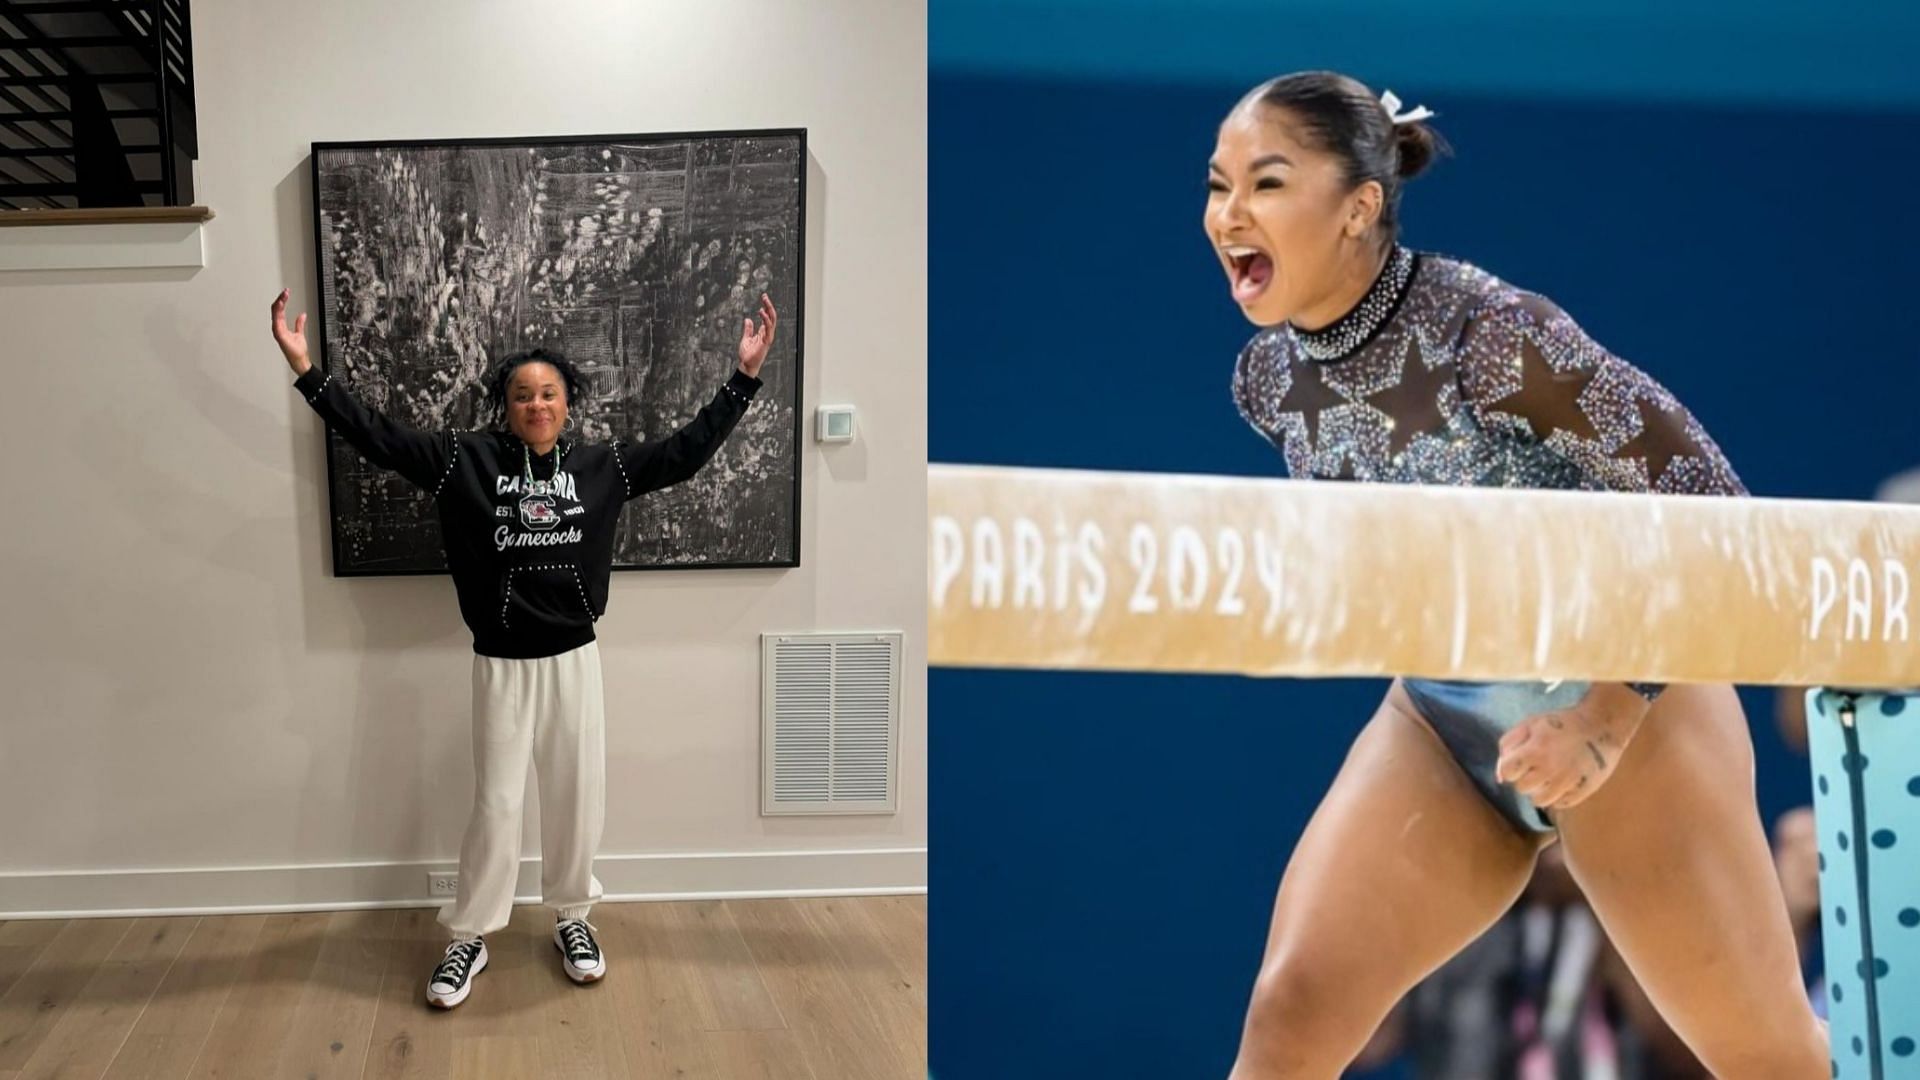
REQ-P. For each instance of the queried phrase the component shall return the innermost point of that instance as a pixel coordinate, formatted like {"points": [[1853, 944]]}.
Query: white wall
{"points": [[188, 689]]}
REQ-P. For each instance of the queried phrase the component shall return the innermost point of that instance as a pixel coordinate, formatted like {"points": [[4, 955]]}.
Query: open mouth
{"points": [[1250, 269]]}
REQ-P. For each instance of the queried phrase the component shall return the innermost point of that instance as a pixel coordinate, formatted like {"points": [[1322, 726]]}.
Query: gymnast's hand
{"points": [[292, 339], [1559, 759], [754, 343]]}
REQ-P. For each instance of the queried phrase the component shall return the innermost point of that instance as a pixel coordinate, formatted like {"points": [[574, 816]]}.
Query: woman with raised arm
{"points": [[528, 516]]}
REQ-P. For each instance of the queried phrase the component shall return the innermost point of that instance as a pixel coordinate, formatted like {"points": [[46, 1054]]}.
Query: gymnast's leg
{"points": [[1403, 864], [1672, 854]]}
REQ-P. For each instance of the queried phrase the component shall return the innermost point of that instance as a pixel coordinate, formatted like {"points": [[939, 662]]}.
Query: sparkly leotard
{"points": [[1444, 374]]}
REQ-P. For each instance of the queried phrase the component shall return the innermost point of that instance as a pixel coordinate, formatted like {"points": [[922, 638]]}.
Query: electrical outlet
{"points": [[439, 884]]}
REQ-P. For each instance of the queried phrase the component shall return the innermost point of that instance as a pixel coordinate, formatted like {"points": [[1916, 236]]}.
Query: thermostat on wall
{"points": [[833, 423]]}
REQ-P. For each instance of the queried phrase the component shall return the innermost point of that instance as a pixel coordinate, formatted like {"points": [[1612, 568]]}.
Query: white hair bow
{"points": [[1391, 102]]}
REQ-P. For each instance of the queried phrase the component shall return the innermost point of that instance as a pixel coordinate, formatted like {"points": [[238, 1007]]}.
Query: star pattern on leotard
{"points": [[1411, 403], [1659, 440], [1309, 395], [1533, 400], [1546, 399]]}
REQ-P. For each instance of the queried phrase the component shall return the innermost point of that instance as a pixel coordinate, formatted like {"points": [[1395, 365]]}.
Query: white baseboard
{"points": [[72, 894]]}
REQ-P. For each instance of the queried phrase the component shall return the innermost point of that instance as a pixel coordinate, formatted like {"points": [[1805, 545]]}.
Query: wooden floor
{"points": [[827, 989]]}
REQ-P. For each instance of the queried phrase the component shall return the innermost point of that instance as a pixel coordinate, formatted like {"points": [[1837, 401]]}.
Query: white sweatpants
{"points": [[552, 710]]}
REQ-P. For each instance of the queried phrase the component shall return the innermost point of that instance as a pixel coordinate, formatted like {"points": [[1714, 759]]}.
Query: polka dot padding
{"points": [[1866, 804]]}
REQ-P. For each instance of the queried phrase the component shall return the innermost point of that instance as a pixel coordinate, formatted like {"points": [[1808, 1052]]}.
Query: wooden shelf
{"points": [[110, 215]]}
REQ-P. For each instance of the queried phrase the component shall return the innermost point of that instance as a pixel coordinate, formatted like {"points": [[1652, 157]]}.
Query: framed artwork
{"points": [[638, 256]]}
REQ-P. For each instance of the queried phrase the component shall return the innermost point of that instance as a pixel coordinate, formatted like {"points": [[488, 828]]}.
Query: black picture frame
{"points": [[415, 532]]}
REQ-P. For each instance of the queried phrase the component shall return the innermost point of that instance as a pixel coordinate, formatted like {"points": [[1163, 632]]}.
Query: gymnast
{"points": [[1379, 363]]}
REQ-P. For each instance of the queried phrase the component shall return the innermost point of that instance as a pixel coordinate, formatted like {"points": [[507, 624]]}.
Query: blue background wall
{"points": [[1710, 201]]}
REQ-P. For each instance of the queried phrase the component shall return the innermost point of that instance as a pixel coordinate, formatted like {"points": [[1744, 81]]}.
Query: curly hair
{"points": [[502, 376]]}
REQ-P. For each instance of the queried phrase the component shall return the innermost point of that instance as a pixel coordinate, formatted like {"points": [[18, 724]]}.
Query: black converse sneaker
{"points": [[583, 959], [454, 977]]}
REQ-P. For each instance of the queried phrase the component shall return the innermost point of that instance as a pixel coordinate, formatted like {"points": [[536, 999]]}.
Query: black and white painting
{"points": [[638, 256]]}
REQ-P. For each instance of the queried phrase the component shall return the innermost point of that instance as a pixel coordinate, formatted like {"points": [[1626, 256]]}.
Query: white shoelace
{"points": [[460, 956], [574, 933]]}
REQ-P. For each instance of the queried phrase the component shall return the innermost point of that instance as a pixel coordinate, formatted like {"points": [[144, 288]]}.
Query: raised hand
{"points": [[754, 343], [291, 339]]}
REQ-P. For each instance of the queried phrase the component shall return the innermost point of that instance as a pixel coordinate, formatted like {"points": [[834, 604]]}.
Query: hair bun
{"points": [[1418, 145]]}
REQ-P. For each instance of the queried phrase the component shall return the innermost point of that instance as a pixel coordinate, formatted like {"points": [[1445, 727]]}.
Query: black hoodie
{"points": [[530, 566]]}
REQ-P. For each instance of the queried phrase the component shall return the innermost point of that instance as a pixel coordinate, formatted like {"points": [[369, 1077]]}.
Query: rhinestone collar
{"points": [[1347, 334]]}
